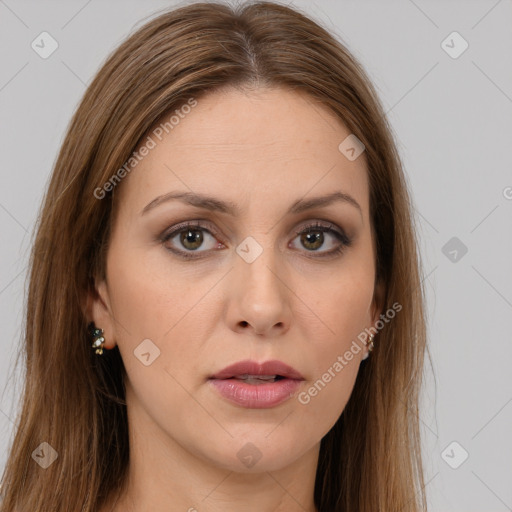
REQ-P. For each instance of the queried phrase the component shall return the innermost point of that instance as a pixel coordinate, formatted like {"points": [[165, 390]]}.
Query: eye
{"points": [[314, 236], [188, 237], [192, 239]]}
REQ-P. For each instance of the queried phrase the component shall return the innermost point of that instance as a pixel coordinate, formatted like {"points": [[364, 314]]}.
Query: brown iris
{"points": [[192, 237], [312, 237]]}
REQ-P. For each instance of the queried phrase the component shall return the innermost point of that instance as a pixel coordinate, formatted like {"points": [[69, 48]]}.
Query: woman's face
{"points": [[242, 283]]}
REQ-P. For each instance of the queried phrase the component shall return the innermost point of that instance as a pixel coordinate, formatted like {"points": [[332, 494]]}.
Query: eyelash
{"points": [[197, 226]]}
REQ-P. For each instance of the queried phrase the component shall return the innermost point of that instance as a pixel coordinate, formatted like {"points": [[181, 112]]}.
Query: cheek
{"points": [[162, 310], [340, 293], [342, 307], [149, 293], [341, 302], [156, 309], [321, 403]]}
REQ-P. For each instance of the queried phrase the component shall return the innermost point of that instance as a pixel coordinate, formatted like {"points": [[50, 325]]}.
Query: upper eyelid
{"points": [[181, 226], [206, 226]]}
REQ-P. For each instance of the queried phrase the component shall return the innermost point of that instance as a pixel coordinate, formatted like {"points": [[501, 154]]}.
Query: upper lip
{"points": [[254, 368]]}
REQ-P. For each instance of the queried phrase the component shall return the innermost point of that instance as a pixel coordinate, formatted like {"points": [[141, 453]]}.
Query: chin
{"points": [[255, 453]]}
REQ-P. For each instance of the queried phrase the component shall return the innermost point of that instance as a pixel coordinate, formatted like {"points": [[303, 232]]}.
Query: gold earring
{"points": [[98, 339], [371, 345]]}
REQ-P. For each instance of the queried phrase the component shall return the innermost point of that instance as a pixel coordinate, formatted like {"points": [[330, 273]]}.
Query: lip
{"points": [[273, 367], [257, 396]]}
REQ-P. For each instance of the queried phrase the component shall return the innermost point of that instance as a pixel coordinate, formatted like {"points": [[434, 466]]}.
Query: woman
{"points": [[225, 307]]}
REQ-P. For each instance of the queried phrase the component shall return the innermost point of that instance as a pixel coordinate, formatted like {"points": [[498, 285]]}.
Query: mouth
{"points": [[254, 371], [257, 385]]}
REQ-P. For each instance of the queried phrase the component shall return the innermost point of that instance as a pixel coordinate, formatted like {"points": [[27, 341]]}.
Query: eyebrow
{"points": [[214, 204]]}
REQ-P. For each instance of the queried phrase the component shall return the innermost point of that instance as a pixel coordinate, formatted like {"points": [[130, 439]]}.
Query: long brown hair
{"points": [[74, 400]]}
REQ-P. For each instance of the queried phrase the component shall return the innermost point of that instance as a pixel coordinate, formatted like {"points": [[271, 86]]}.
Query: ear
{"points": [[378, 301], [375, 310], [97, 309]]}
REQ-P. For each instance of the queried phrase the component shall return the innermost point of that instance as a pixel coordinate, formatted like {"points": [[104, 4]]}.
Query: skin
{"points": [[261, 150]]}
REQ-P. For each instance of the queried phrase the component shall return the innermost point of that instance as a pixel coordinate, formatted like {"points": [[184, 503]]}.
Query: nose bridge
{"points": [[261, 296], [256, 264]]}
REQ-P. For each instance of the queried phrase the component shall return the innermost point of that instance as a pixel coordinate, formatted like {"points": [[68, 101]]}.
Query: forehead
{"points": [[264, 144]]}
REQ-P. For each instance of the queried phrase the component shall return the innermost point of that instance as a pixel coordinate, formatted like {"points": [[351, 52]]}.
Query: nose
{"points": [[259, 297]]}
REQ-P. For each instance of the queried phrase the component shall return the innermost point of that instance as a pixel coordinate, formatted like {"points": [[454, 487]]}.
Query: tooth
{"points": [[256, 379]]}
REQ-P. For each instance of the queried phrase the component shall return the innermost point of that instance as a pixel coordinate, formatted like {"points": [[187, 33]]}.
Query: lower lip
{"points": [[256, 396]]}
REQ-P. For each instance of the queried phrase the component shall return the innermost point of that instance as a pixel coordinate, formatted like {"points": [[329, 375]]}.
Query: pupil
{"points": [[191, 237], [311, 238]]}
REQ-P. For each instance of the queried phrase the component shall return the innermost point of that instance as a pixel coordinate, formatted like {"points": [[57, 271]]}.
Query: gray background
{"points": [[453, 121]]}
